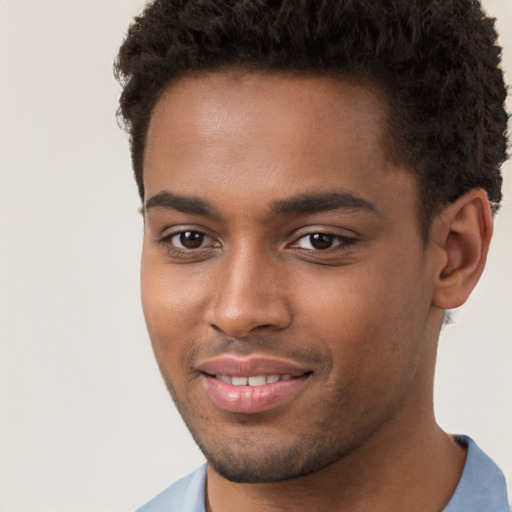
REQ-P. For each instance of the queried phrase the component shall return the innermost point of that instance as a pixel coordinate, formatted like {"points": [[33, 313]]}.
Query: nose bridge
{"points": [[248, 295]]}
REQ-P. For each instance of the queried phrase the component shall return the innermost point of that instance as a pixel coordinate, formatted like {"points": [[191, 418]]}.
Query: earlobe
{"points": [[462, 234]]}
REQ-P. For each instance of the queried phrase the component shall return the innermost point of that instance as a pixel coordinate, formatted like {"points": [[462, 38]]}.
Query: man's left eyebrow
{"points": [[321, 202]]}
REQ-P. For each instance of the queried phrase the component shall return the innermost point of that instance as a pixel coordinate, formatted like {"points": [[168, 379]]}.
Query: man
{"points": [[318, 183]]}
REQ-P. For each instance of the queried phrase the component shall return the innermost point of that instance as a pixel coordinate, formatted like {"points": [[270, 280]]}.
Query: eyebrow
{"points": [[300, 204], [321, 202], [185, 204]]}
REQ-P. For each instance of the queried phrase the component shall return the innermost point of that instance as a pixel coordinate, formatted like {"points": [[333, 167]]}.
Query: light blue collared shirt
{"points": [[481, 488]]}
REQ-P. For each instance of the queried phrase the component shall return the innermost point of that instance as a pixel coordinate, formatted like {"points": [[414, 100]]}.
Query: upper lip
{"points": [[250, 366]]}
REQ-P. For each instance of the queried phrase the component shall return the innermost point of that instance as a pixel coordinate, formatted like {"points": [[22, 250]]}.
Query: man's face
{"points": [[285, 285]]}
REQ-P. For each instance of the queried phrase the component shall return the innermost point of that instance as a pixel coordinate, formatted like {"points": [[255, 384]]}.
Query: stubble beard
{"points": [[271, 463], [255, 458]]}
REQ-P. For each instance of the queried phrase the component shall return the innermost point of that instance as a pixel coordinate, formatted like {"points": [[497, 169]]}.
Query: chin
{"points": [[247, 462], [271, 469]]}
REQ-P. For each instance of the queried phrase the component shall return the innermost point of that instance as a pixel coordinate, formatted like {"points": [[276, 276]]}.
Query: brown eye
{"points": [[317, 241], [188, 240], [321, 241]]}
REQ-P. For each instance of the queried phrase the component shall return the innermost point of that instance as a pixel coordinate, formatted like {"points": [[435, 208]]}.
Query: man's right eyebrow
{"points": [[185, 204]]}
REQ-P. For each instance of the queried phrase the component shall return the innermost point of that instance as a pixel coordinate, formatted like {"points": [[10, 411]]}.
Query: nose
{"points": [[250, 295]]}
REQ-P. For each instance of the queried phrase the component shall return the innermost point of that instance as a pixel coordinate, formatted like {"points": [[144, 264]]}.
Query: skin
{"points": [[363, 315]]}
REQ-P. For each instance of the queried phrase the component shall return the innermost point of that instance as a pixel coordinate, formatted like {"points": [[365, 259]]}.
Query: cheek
{"points": [[371, 316], [172, 303]]}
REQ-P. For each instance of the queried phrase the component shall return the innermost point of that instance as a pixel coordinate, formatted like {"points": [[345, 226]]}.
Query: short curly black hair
{"points": [[436, 61]]}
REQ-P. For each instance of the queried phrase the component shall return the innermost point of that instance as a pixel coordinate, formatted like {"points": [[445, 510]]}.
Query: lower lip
{"points": [[252, 399]]}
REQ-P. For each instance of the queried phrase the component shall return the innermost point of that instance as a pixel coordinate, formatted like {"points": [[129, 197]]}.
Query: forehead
{"points": [[268, 135], [278, 109], [307, 94]]}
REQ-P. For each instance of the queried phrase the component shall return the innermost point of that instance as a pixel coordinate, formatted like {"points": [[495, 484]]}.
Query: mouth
{"points": [[252, 385], [255, 380]]}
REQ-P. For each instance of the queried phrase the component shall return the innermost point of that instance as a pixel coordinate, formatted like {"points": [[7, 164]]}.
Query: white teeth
{"points": [[256, 380], [260, 380]]}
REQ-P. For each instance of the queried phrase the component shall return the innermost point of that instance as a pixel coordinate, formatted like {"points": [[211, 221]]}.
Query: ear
{"points": [[462, 234]]}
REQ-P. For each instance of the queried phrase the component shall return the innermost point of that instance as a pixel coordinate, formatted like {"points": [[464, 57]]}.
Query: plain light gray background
{"points": [[85, 421]]}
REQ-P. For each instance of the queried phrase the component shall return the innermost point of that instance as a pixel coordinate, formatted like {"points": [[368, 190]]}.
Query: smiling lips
{"points": [[251, 385]]}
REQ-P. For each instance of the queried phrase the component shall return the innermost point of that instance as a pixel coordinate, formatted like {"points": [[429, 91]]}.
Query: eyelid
{"points": [[166, 239], [204, 241], [176, 229], [341, 242], [344, 239], [338, 241]]}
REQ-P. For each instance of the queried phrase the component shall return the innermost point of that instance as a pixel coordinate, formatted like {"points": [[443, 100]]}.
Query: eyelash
{"points": [[344, 243], [166, 241]]}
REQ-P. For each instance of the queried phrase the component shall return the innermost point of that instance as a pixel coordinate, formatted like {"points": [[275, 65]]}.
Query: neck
{"points": [[418, 473]]}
